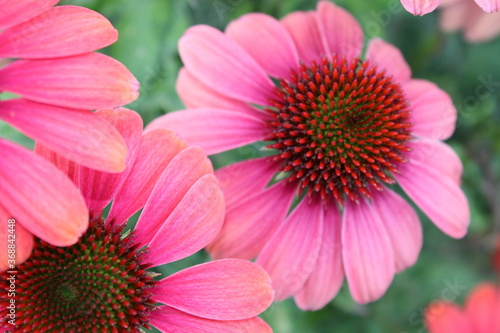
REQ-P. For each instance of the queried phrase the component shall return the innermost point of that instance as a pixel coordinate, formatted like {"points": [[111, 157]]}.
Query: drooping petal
{"points": [[292, 252], [368, 254], [341, 33], [90, 81], [267, 41], [15, 11], [489, 6], [214, 130], [303, 28], [328, 274], [41, 197], [483, 28], [60, 32], [218, 62], [420, 7], [482, 307], [69, 168], [433, 113], [170, 320], [388, 58], [446, 317], [230, 289], [20, 240], [249, 225], [78, 135]]}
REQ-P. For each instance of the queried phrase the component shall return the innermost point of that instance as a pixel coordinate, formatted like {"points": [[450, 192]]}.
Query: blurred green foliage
{"points": [[149, 31]]}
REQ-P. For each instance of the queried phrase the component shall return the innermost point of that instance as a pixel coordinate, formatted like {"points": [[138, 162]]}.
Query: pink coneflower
{"points": [[104, 283], [479, 316], [46, 60], [341, 130], [422, 7]]}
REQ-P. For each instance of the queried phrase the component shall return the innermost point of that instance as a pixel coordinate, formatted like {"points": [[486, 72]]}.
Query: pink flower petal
{"points": [[40, 197], [158, 148], [367, 252], [240, 180], [214, 130], [59, 32], [267, 41], [388, 58], [303, 28], [340, 31], [98, 188], [230, 289], [483, 307], [249, 225], [420, 7], [169, 320], [219, 62], [489, 6], [482, 27], [328, 274], [195, 94], [402, 225], [292, 252], [442, 317], [16, 236], [69, 168], [425, 98], [78, 135], [90, 81], [436, 192], [15, 11]]}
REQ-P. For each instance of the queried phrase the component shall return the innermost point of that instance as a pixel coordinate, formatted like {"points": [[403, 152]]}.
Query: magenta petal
{"points": [[388, 58], [169, 320], [420, 7], [69, 168], [291, 254], [229, 289], [78, 135], [303, 28], [41, 197], [16, 11], [60, 32], [214, 130], [367, 252], [425, 98], [267, 41], [218, 62], [21, 238], [328, 274], [489, 6], [90, 81], [252, 222]]}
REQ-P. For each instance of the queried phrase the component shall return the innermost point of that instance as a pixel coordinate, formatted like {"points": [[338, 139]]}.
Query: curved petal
{"points": [[267, 41], [303, 28], [433, 113], [483, 307], [78, 135], [446, 317], [368, 254], [388, 58], [169, 320], [16, 236], [249, 225], [60, 32], [483, 27], [214, 130], [341, 33], [292, 252], [230, 289], [489, 6], [15, 11], [69, 168], [41, 197], [420, 7], [89, 81], [218, 62], [328, 274]]}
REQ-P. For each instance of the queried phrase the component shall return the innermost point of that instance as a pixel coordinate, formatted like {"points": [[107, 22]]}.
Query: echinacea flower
{"points": [[480, 315], [422, 7], [464, 15], [104, 283], [341, 130], [47, 61]]}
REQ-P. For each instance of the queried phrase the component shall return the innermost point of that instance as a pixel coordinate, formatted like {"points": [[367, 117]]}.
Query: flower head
{"points": [[104, 283], [47, 61], [422, 7], [342, 130]]}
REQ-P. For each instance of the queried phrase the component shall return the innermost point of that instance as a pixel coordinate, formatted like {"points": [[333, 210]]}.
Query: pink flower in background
{"points": [[104, 282], [46, 60], [480, 314], [464, 15], [341, 130], [422, 7]]}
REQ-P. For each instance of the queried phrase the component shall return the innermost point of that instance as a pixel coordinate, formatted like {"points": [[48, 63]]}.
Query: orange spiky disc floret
{"points": [[99, 284], [340, 128]]}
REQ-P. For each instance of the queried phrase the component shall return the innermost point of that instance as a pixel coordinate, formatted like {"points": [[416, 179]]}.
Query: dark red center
{"points": [[340, 128]]}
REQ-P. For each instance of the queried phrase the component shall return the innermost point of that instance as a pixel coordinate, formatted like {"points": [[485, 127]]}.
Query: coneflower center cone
{"points": [[340, 128]]}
